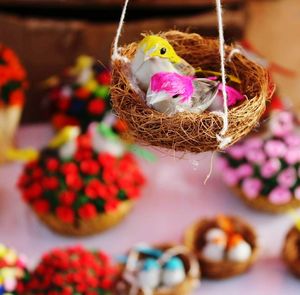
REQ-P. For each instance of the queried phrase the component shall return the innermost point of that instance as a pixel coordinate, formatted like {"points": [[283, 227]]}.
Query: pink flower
{"points": [[270, 168], [222, 163], [292, 139], [231, 177], [251, 187], [275, 148], [297, 193], [237, 152], [287, 177], [256, 156], [254, 143], [282, 123], [292, 155], [280, 195], [244, 170]]}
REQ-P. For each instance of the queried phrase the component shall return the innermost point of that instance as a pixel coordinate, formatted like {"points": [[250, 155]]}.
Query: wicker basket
{"points": [[92, 226], [185, 131], [224, 269], [291, 251], [185, 288], [261, 203]]}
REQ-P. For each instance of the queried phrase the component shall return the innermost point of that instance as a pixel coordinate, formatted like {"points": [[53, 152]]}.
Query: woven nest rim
{"points": [[190, 132]]}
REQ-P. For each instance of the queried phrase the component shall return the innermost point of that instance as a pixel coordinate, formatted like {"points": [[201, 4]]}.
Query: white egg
{"points": [[172, 278], [67, 150], [241, 252], [215, 234], [149, 279], [214, 252]]}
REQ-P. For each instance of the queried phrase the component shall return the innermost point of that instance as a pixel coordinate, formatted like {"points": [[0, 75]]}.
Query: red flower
{"points": [[92, 189], [87, 211], [41, 206], [69, 168], [90, 167], [63, 104], [96, 106], [67, 197], [84, 141], [52, 164], [33, 192], [82, 93], [111, 205], [50, 183], [74, 182], [104, 78], [106, 160], [66, 214]]}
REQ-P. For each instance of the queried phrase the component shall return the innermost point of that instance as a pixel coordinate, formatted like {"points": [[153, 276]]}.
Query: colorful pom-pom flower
{"points": [[81, 95], [71, 271], [264, 170], [13, 271], [84, 186]]}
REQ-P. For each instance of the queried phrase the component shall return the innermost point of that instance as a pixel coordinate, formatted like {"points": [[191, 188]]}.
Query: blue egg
{"points": [[174, 264], [150, 251], [150, 264]]}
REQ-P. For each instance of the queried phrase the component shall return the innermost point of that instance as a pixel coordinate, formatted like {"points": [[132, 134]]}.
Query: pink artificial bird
{"points": [[171, 93]]}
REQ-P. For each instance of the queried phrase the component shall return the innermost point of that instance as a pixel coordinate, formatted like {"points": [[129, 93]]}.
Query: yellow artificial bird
{"points": [[154, 55]]}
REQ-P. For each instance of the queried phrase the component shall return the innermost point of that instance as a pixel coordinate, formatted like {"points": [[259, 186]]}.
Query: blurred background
{"points": [[48, 35]]}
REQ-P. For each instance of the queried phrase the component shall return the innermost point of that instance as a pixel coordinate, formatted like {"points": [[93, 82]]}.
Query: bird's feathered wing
{"points": [[205, 93]]}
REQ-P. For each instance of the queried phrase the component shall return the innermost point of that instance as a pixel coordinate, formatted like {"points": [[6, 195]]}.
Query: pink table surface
{"points": [[174, 197]]}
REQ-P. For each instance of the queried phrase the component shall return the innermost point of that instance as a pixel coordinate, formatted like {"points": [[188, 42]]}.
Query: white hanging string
{"points": [[116, 54], [223, 141]]}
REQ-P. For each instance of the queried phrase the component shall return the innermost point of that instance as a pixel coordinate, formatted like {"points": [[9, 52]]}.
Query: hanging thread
{"points": [[223, 141], [116, 54]]}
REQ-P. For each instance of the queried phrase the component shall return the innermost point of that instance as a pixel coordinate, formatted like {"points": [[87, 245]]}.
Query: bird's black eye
{"points": [[175, 96], [163, 51]]}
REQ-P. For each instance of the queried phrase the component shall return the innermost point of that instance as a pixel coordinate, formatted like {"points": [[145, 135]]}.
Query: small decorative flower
{"points": [[253, 143], [251, 187], [237, 151], [270, 168], [292, 155], [256, 156], [231, 177], [245, 170], [292, 140], [275, 148], [282, 123], [287, 177], [280, 195]]}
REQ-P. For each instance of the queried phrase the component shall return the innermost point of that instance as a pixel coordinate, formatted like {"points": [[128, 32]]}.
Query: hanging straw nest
{"points": [[190, 132]]}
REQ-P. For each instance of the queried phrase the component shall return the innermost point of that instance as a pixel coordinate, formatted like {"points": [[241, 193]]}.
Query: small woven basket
{"points": [[224, 269], [99, 223], [291, 251], [190, 132], [261, 203], [185, 288]]}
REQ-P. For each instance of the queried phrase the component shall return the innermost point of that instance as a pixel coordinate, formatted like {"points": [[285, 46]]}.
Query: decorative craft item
{"points": [[12, 88], [13, 271], [81, 95], [73, 270], [291, 247], [225, 246], [82, 184], [263, 170], [163, 270], [161, 112]]}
